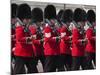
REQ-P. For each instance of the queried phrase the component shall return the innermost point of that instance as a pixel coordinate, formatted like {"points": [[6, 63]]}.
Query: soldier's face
{"points": [[52, 22], [39, 24], [68, 24], [82, 24], [26, 21]]}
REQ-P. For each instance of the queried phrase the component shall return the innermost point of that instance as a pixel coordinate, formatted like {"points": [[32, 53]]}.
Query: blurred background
{"points": [[58, 6]]}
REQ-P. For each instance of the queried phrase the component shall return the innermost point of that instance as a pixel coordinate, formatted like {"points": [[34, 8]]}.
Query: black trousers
{"points": [[21, 62], [68, 63], [51, 63], [89, 58], [42, 60], [12, 59], [65, 60], [61, 62], [78, 61]]}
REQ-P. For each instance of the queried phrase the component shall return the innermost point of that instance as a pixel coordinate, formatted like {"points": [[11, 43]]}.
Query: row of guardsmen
{"points": [[63, 41]]}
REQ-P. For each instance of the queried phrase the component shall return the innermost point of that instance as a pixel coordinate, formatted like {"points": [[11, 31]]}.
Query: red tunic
{"points": [[65, 44], [91, 45], [77, 46], [22, 48], [50, 46], [37, 45]]}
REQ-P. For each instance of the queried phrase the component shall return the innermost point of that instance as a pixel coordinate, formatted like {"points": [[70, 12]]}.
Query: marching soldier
{"points": [[78, 40], [67, 19], [37, 19], [50, 50], [51, 43], [24, 54], [64, 48], [61, 58], [90, 49]]}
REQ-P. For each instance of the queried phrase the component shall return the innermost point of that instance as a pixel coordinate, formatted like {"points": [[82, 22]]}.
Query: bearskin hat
{"points": [[78, 15], [24, 11], [37, 14], [60, 13], [67, 16], [84, 17], [50, 12], [91, 16], [13, 10]]}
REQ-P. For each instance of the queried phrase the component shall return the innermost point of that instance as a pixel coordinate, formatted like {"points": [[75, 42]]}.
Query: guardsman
{"points": [[51, 43], [64, 48], [24, 54], [90, 49], [50, 50], [67, 19], [78, 40], [61, 59], [37, 19]]}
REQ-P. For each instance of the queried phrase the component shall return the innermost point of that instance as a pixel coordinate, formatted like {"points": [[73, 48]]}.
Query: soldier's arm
{"points": [[89, 35]]}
